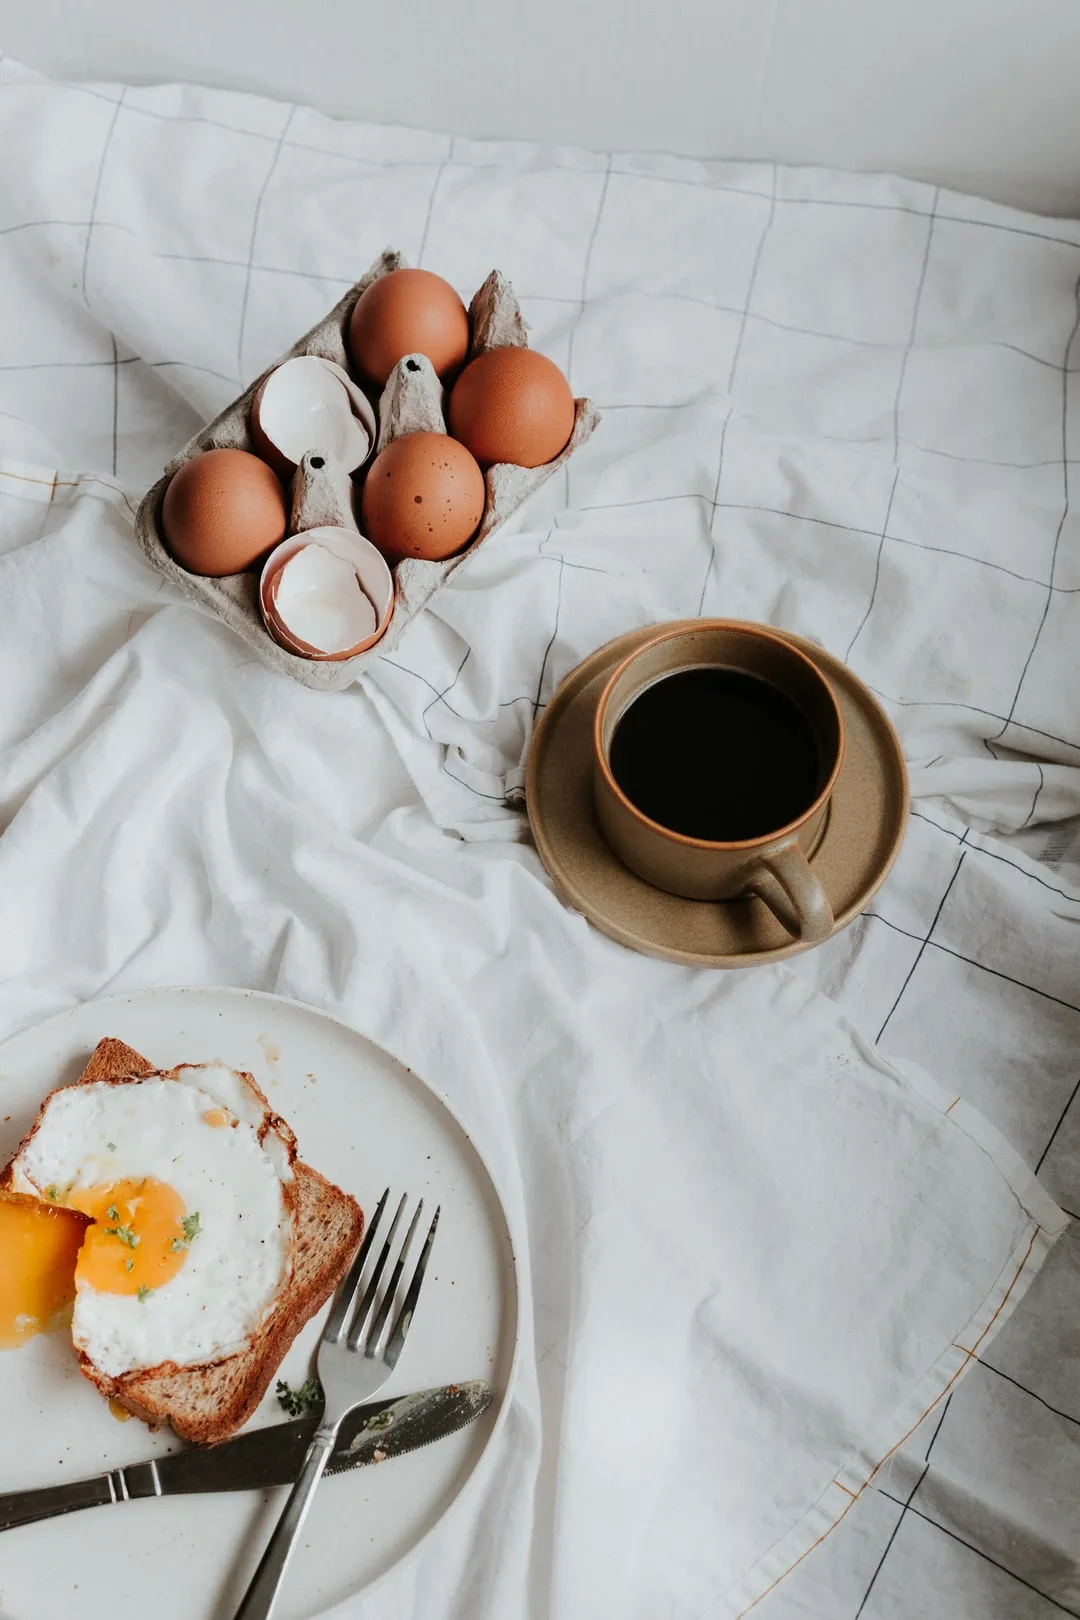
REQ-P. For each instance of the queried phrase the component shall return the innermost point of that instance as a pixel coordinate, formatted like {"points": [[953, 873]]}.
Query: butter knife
{"points": [[264, 1457]]}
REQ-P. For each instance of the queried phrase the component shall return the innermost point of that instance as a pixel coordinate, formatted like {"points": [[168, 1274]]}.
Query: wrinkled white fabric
{"points": [[755, 1251]]}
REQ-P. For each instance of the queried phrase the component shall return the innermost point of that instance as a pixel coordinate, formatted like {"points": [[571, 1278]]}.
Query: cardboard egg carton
{"points": [[411, 402]]}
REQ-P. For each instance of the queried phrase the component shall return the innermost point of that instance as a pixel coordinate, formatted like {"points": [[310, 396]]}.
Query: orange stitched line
{"points": [[952, 1105], [852, 1494], [45, 482], [70, 483], [968, 1355]]}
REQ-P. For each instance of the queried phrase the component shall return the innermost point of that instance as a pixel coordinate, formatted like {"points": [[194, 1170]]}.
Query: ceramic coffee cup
{"points": [[772, 865]]}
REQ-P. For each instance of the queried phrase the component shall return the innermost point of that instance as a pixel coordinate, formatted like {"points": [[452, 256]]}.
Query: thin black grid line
{"points": [[440, 697], [832, 523], [1061, 524], [1042, 783], [439, 172], [914, 327], [586, 266], [1060, 1119], [966, 556], [997, 973], [97, 193], [877, 563], [970, 708], [254, 232], [993, 855], [496, 798], [875, 916], [551, 642], [115, 399], [979, 1552], [903, 1512], [712, 518], [703, 184], [1057, 1411], [750, 284], [922, 948]]}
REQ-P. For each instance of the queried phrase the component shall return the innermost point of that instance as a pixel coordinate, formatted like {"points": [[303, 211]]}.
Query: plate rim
{"points": [[591, 668], [242, 992]]}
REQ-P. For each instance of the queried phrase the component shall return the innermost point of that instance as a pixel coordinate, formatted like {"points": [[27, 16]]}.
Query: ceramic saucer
{"points": [[867, 820]]}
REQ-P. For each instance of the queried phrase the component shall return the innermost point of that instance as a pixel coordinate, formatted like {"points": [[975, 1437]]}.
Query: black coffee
{"points": [[716, 754]]}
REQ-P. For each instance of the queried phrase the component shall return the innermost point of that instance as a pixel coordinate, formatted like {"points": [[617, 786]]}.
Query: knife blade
{"points": [[269, 1456]]}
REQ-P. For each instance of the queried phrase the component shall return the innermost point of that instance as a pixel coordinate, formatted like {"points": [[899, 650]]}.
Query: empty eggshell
{"points": [[309, 403], [326, 594]]}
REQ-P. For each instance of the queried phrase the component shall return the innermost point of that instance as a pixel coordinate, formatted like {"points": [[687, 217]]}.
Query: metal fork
{"points": [[351, 1369]]}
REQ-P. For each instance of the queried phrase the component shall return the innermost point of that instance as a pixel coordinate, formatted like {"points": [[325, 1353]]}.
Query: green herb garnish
{"points": [[111, 1146], [112, 1213], [144, 1293], [298, 1402], [52, 1192], [124, 1233], [129, 1265], [191, 1229]]}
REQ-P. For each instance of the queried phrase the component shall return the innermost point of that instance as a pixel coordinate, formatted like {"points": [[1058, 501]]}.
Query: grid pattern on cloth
{"points": [[842, 404]]}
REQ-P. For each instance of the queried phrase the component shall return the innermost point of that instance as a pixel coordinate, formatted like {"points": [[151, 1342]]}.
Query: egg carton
{"points": [[322, 492]]}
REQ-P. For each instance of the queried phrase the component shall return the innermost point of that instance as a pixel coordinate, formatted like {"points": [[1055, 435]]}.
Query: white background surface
{"points": [[980, 95], [836, 403]]}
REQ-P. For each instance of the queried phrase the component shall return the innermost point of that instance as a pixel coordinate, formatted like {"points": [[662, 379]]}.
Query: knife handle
{"points": [[119, 1485]]}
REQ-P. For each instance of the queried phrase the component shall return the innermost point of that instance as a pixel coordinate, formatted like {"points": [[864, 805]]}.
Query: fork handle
{"points": [[261, 1596]]}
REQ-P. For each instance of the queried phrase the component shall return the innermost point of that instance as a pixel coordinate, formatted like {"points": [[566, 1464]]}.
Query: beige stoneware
{"points": [[858, 841], [774, 865]]}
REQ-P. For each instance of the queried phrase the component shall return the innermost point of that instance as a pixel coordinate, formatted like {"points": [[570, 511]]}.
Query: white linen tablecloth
{"points": [[837, 403]]}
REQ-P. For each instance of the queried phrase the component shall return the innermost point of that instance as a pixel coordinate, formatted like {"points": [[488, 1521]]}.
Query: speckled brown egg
{"points": [[223, 510], [513, 405], [408, 312], [423, 497]]}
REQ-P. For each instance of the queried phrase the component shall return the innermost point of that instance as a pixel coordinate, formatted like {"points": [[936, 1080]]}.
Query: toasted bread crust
{"points": [[205, 1404]]}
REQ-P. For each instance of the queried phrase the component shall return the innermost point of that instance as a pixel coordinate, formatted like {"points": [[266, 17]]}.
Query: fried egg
{"points": [[184, 1184]]}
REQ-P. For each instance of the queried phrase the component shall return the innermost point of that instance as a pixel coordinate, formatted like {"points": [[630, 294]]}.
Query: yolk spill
{"points": [[120, 1413], [38, 1249], [217, 1117], [137, 1240]]}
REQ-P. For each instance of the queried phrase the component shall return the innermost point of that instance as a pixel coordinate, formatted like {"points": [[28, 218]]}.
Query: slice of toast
{"points": [[205, 1404]]}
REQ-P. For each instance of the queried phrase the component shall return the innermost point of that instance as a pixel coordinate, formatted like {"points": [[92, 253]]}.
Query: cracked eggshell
{"points": [[375, 578], [311, 403]]}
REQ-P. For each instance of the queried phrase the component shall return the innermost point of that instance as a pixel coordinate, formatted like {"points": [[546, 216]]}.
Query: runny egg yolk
{"points": [[138, 1240], [38, 1249]]}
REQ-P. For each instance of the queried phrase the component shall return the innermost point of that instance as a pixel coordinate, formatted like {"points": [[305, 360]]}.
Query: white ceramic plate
{"points": [[363, 1120]]}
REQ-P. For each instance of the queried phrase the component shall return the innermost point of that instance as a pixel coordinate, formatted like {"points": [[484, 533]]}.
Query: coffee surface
{"points": [[717, 754]]}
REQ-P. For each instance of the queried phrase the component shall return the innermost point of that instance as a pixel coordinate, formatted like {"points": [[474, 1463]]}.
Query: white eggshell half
{"points": [[309, 403], [370, 570]]}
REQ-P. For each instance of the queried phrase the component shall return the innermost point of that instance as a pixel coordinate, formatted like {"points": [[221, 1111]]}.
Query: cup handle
{"points": [[783, 879]]}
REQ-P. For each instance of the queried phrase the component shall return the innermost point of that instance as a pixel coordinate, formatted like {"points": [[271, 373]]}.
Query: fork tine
{"points": [[401, 1327], [367, 1299], [344, 1297], [376, 1330]]}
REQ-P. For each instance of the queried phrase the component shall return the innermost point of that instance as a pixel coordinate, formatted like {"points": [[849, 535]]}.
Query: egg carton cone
{"points": [[321, 492]]}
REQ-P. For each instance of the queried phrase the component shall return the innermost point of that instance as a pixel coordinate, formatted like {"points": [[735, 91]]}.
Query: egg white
{"points": [[237, 1264]]}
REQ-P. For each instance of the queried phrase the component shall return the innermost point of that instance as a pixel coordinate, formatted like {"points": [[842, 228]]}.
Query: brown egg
{"points": [[512, 405], [223, 510], [408, 312], [423, 497]]}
